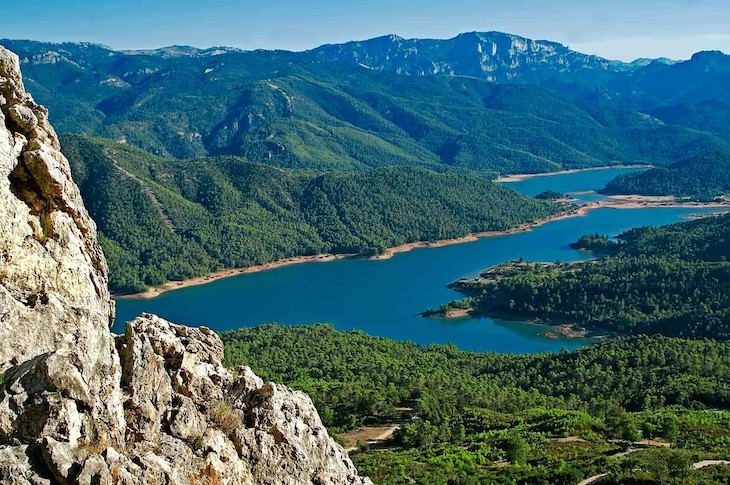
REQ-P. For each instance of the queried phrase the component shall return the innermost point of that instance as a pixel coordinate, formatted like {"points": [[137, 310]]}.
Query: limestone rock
{"points": [[272, 433], [284, 434], [60, 458], [18, 466], [52, 271], [53, 276], [155, 405]]}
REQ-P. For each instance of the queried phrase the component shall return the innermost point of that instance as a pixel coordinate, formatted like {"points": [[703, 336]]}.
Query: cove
{"points": [[585, 180], [383, 298]]}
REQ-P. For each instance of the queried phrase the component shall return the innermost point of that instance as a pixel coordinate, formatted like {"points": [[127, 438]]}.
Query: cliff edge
{"points": [[81, 406]]}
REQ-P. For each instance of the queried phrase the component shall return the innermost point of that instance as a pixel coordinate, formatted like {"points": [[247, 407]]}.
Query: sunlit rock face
{"points": [[55, 309]]}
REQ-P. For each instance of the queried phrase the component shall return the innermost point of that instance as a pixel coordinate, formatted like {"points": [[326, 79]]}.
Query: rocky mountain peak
{"points": [[494, 56], [155, 405], [715, 58]]}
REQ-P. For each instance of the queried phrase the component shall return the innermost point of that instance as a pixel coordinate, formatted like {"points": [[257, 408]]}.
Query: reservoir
{"points": [[384, 297]]}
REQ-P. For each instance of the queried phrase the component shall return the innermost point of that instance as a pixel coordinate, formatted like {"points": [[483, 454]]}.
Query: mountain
{"points": [[703, 177], [493, 56], [166, 219], [643, 84], [293, 110], [702, 78], [155, 405], [507, 58], [645, 61]]}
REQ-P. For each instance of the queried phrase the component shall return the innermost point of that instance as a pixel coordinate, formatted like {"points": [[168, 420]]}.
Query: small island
{"points": [[452, 309], [551, 195]]}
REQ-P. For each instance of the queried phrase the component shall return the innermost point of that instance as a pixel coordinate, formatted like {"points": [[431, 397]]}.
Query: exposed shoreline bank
{"points": [[389, 253], [523, 176], [617, 202], [156, 291]]}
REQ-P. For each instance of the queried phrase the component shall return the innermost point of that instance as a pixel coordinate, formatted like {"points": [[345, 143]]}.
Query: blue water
{"points": [[384, 297], [588, 180]]}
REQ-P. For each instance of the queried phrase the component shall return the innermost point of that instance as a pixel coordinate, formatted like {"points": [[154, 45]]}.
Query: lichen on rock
{"points": [[155, 405]]}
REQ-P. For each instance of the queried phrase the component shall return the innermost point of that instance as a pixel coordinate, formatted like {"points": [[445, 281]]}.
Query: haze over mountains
{"points": [[482, 101]]}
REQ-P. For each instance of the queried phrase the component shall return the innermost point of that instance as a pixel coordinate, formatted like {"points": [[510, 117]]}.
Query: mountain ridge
{"points": [[639, 61], [292, 110], [450, 56]]}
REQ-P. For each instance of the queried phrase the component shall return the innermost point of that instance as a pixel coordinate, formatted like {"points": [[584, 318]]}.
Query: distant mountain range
{"points": [[493, 56], [507, 58], [490, 101]]}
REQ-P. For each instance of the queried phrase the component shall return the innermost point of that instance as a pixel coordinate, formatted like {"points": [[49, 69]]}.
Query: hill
{"points": [[703, 177], [710, 115], [490, 418], [671, 280], [298, 111], [168, 219]]}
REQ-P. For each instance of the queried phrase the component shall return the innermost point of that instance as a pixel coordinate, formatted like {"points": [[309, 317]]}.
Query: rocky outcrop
{"points": [[55, 309], [155, 405]]}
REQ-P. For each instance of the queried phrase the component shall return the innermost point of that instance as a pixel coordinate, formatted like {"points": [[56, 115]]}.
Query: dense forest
{"points": [[672, 280], [703, 177], [167, 219], [492, 418]]}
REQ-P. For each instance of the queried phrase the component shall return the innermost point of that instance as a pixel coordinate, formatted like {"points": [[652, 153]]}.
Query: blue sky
{"points": [[615, 29]]}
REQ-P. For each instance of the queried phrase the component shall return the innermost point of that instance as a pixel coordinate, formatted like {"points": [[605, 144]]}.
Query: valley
{"points": [[484, 259]]}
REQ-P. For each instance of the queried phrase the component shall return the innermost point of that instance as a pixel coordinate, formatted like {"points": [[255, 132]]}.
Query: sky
{"points": [[618, 29]]}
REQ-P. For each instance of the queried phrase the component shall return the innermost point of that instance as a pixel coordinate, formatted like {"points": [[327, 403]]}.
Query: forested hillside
{"points": [[492, 418], [167, 219], [293, 110], [672, 280], [702, 177]]}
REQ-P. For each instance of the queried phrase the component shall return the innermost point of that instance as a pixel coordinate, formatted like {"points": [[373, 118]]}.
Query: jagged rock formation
{"points": [[55, 308], [152, 406], [494, 56]]}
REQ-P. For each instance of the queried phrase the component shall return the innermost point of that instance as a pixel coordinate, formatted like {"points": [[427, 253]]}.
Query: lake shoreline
{"points": [[156, 291], [616, 202], [475, 236], [551, 330], [519, 177]]}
